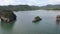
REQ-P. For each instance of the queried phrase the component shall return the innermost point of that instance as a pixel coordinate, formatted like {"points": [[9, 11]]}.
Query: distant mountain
{"points": [[51, 7], [19, 7]]}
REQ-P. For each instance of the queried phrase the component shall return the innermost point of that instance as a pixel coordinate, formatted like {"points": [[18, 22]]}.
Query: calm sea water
{"points": [[24, 24]]}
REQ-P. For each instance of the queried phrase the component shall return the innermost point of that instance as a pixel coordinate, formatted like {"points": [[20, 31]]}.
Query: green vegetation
{"points": [[51, 7], [19, 7], [27, 7]]}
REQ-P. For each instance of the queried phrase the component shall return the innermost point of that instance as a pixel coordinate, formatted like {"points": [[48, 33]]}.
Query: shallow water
{"points": [[24, 24]]}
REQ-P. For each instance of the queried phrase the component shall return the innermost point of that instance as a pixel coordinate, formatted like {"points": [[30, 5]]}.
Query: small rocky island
{"points": [[58, 18], [36, 19], [7, 16]]}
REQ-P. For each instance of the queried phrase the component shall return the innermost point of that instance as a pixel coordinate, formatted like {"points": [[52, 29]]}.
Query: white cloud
{"points": [[54, 1], [29, 2], [5, 2]]}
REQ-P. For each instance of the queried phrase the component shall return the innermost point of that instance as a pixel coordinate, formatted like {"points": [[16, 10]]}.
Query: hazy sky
{"points": [[29, 2]]}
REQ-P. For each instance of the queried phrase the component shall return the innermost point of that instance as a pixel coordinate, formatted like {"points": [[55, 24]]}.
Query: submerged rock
{"points": [[58, 18], [36, 19], [7, 16]]}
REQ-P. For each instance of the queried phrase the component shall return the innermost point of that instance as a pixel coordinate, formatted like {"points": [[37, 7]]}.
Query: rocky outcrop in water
{"points": [[7, 16], [58, 18], [36, 19]]}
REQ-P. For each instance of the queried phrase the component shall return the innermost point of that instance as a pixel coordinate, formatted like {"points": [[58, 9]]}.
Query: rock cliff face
{"points": [[7, 16]]}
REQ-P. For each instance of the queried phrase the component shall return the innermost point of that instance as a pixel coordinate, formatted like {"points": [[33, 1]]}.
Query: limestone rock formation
{"points": [[7, 16]]}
